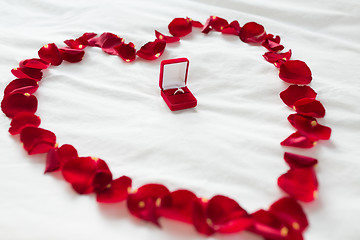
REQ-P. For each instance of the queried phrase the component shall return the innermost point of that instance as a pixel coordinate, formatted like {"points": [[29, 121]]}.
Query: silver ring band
{"points": [[178, 90]]}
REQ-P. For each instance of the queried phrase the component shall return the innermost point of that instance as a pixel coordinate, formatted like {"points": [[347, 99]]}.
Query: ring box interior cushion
{"points": [[173, 75]]}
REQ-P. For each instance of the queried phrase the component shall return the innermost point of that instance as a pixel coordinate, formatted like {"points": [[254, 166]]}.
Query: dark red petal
{"points": [[167, 39], [309, 107], [269, 226], [233, 28], [299, 161], [30, 73], [218, 24], [300, 183], [107, 41], [23, 85], [290, 211], [116, 191], [272, 43], [296, 72], [126, 51], [226, 215], [152, 50], [81, 42], [200, 220], [52, 161], [207, 26], [298, 140], [50, 54], [34, 63], [295, 92], [145, 202], [37, 140], [196, 23], [22, 120], [178, 205], [72, 55], [252, 32], [309, 127], [277, 58], [67, 152], [180, 27], [102, 177], [18, 102], [80, 172]]}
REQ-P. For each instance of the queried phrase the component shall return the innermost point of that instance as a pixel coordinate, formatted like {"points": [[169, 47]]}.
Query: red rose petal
{"points": [[53, 162], [269, 226], [116, 192], [145, 202], [196, 24], [207, 26], [200, 220], [233, 28], [18, 102], [296, 72], [295, 92], [22, 120], [107, 41], [50, 54], [300, 183], [167, 39], [178, 205], [30, 73], [309, 127], [277, 58], [218, 23], [290, 211], [152, 50], [299, 161], [67, 152], [226, 215], [37, 140], [81, 42], [34, 63], [180, 27], [309, 107], [252, 32], [126, 51], [298, 140], [272, 43], [72, 55], [102, 177], [57, 157], [23, 85]]}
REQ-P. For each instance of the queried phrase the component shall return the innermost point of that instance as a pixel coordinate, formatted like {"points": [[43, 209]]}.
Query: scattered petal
{"points": [[18, 102], [34, 63], [152, 50], [30, 73], [116, 191], [178, 205], [207, 26], [309, 127], [102, 177], [23, 120], [296, 72], [144, 203], [300, 183], [299, 161], [22, 85], [309, 107], [81, 42], [218, 23], [252, 32], [126, 51], [298, 140], [37, 140], [196, 24], [52, 161], [296, 92], [180, 27], [107, 41], [71, 55], [290, 211], [167, 39], [272, 43], [233, 28], [57, 157], [50, 54], [277, 58]]}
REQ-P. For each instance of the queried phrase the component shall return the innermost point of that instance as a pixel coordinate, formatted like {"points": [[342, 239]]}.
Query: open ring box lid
{"points": [[173, 75]]}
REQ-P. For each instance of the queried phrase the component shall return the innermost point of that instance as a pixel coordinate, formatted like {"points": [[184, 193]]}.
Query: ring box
{"points": [[173, 79]]}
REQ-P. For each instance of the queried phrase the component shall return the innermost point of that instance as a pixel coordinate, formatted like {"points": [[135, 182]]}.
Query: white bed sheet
{"points": [[228, 144]]}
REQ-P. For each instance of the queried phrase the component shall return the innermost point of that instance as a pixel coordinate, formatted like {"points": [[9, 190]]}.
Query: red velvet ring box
{"points": [[173, 79]]}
